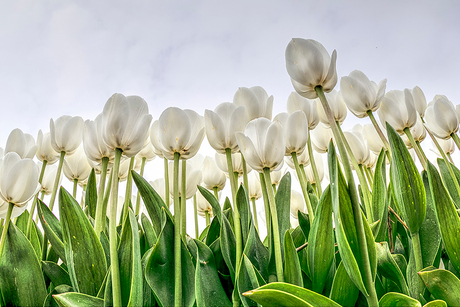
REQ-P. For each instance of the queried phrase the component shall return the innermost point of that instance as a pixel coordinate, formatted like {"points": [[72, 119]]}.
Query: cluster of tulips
{"points": [[391, 239]]}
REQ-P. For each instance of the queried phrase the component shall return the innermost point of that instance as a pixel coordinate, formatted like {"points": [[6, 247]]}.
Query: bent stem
{"points": [[303, 186], [116, 288], [100, 197], [372, 298], [32, 210], [138, 199], [5, 228], [177, 238], [313, 166], [275, 225]]}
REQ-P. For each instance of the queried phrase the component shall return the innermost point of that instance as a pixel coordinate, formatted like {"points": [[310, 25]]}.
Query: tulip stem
{"points": [[268, 217], [276, 232], [5, 228], [368, 176], [177, 238], [183, 200], [100, 197], [450, 158], [208, 218], [417, 250], [420, 154], [380, 133], [372, 298], [138, 199], [456, 140], [116, 288], [245, 173], [129, 187], [75, 185], [166, 182], [313, 166], [34, 203], [254, 212], [216, 193], [195, 209], [303, 186]]}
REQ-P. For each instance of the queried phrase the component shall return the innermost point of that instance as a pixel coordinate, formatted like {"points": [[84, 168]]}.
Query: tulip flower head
{"points": [[213, 177], [337, 105], [48, 179], [320, 138], [256, 101], [398, 109], [93, 142], [296, 102], [309, 65], [361, 94], [419, 100], [193, 178], [44, 149], [295, 128], [21, 143], [66, 133], [373, 139], [76, 166], [237, 162], [262, 144], [441, 117]]}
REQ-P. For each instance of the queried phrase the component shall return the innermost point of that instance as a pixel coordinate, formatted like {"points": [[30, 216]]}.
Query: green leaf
{"points": [[228, 246], [379, 189], [442, 284], [56, 273], [84, 254], [344, 292], [242, 203], [52, 228], [406, 183], [284, 294], [129, 257], [148, 230], [149, 298], [304, 223], [292, 271], [208, 289], [50, 301], [91, 194], [393, 299], [159, 271], [71, 299], [152, 201], [321, 249], [436, 303], [216, 210], [256, 252], [21, 278], [388, 267], [283, 205], [213, 232], [448, 180], [447, 216], [248, 279]]}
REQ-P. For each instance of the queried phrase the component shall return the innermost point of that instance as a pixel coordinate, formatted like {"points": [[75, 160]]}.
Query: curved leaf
{"points": [[344, 292], [71, 299], [91, 194], [393, 299], [388, 267], [52, 228], [292, 271], [442, 284], [56, 274]]}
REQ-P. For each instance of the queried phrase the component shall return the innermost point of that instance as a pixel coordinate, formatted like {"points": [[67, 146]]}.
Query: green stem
{"points": [[450, 158], [385, 142], [82, 200], [236, 216], [208, 218], [177, 238], [100, 197], [195, 209], [183, 222], [129, 188], [75, 185], [303, 186], [216, 193], [105, 202], [276, 231], [34, 203], [254, 213], [245, 173], [421, 156], [368, 176], [268, 217], [115, 270], [165, 164], [456, 140], [417, 249], [274, 188], [5, 228], [313, 166], [372, 298], [138, 199]]}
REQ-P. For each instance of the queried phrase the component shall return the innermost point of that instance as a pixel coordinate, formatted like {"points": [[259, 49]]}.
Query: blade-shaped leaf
{"points": [[388, 267], [344, 292], [52, 228], [449, 181], [91, 194], [292, 271], [442, 284], [71, 299], [56, 273]]}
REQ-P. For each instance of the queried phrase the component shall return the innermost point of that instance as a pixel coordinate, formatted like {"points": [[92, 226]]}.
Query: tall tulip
{"points": [[309, 65], [256, 101]]}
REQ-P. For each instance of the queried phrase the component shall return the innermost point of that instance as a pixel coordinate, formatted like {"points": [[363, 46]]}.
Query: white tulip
{"points": [[337, 105], [21, 143], [296, 102], [256, 100], [398, 109]]}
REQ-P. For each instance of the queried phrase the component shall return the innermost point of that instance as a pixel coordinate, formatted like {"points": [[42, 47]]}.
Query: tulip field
{"points": [[376, 225]]}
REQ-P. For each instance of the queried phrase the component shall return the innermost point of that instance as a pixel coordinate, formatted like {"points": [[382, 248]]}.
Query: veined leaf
{"points": [[344, 292], [71, 299], [52, 228], [379, 190], [449, 181], [442, 284], [388, 267], [91, 194], [292, 271]]}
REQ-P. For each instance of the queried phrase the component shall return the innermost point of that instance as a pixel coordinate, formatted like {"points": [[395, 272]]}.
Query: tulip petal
{"points": [[249, 151]]}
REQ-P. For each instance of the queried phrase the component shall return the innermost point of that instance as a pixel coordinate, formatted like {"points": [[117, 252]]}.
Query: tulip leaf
{"points": [[442, 284], [50, 301], [436, 303], [379, 190], [449, 181], [56, 273], [213, 231], [344, 292], [71, 299], [320, 249], [228, 246], [448, 220], [292, 271], [304, 223], [159, 271], [52, 228], [283, 205], [256, 252], [393, 299], [84, 253], [242, 203], [216, 210], [91, 194], [148, 296], [21, 278], [284, 294], [152, 201], [148, 230], [129, 255], [406, 182], [208, 288], [247, 280], [388, 267]]}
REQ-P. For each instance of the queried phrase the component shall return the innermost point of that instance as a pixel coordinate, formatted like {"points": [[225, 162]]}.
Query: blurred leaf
{"points": [[50, 301], [52, 228], [442, 285], [292, 271], [84, 254], [448, 220], [344, 292], [320, 249], [21, 278], [406, 183], [159, 271], [393, 299], [56, 274], [448, 180], [152, 201], [436, 303], [71, 299], [208, 289], [91, 194], [284, 294], [388, 267]]}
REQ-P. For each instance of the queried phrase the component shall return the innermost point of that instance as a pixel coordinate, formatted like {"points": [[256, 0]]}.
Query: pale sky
{"points": [[68, 57]]}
